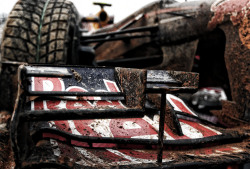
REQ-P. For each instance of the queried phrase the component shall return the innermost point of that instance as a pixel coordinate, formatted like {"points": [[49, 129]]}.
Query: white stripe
{"points": [[190, 131], [153, 136], [124, 156], [102, 127], [133, 159], [73, 127], [32, 84], [237, 150], [155, 124], [93, 160]]}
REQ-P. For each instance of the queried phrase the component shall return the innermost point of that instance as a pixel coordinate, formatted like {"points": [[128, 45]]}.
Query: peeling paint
{"points": [[239, 13], [244, 31]]}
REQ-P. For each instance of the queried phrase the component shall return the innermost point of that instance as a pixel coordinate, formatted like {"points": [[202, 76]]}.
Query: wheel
{"points": [[36, 31], [41, 31]]}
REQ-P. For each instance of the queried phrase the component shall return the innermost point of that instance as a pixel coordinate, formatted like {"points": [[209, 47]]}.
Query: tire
{"points": [[36, 31], [41, 31]]}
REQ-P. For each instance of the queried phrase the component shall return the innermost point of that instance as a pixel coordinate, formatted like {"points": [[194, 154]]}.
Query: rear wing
{"points": [[63, 93]]}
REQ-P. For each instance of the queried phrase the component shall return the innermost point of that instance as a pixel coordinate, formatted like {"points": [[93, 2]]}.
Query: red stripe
{"points": [[181, 106]]}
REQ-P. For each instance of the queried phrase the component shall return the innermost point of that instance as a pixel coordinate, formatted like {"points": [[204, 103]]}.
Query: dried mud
{"points": [[244, 32], [6, 154]]}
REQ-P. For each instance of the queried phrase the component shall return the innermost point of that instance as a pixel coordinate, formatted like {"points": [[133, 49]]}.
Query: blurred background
{"points": [[120, 8]]}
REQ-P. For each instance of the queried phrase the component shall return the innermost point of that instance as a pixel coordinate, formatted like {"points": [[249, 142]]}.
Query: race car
{"points": [[120, 97]]}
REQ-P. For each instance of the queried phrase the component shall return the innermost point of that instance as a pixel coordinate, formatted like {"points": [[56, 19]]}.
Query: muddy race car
{"points": [[122, 96]]}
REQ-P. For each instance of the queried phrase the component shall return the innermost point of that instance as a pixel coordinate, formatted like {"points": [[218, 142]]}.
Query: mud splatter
{"points": [[78, 77]]}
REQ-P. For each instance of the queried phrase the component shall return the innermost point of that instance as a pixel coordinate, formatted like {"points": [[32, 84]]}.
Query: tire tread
{"points": [[20, 37]]}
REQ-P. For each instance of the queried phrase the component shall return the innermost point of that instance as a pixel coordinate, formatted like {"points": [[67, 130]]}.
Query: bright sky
{"points": [[120, 8]]}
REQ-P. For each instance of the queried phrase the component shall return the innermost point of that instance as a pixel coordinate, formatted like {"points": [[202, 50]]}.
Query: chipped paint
{"points": [[236, 9], [239, 13], [244, 30]]}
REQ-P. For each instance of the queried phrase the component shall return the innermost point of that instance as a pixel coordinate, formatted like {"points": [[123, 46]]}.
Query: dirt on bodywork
{"points": [[6, 154], [122, 114], [239, 16], [236, 53]]}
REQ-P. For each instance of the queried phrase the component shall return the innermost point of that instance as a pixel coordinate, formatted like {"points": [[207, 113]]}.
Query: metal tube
{"points": [[225, 138], [113, 39], [63, 114], [139, 29], [161, 128], [62, 93]]}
